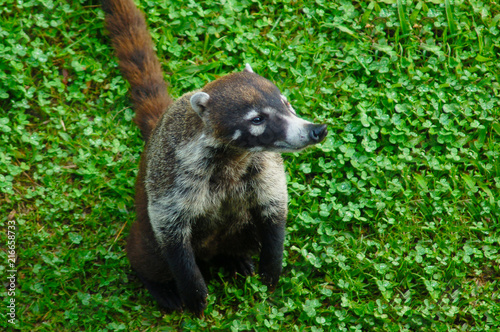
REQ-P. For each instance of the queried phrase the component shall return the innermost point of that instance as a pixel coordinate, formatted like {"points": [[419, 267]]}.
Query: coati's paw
{"points": [[270, 275], [269, 281], [195, 299], [245, 266], [165, 294], [236, 265], [171, 301], [241, 265]]}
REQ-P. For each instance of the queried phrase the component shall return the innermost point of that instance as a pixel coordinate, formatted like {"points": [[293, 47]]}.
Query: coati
{"points": [[211, 185]]}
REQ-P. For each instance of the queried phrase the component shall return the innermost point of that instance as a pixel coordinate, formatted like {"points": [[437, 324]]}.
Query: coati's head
{"points": [[248, 111]]}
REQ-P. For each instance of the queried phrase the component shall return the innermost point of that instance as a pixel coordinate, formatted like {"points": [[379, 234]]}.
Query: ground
{"points": [[394, 219]]}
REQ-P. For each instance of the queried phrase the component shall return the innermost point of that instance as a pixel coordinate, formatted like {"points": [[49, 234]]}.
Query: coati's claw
{"points": [[165, 294], [245, 266], [270, 276], [171, 303], [196, 302], [269, 281], [242, 265]]}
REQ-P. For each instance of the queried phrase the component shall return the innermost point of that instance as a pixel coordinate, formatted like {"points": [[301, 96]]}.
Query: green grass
{"points": [[394, 220]]}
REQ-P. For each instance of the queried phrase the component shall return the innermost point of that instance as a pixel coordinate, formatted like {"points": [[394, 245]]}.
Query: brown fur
{"points": [[138, 63], [142, 244]]}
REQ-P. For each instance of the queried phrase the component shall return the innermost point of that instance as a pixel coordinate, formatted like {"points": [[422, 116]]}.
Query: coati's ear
{"points": [[248, 68], [199, 102]]}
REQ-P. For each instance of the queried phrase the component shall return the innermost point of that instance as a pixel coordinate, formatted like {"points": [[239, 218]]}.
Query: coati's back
{"points": [[211, 186]]}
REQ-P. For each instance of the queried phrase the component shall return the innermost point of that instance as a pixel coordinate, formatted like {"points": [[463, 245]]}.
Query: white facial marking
{"points": [[297, 134], [250, 115], [236, 135], [257, 130], [296, 129], [270, 111]]}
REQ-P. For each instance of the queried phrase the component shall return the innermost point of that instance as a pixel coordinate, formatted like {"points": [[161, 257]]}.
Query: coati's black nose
{"points": [[318, 132]]}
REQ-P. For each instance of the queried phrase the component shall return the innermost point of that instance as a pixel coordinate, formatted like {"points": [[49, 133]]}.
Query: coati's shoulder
{"points": [[179, 123]]}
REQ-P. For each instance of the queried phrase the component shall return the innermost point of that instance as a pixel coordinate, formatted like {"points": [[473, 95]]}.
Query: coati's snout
{"points": [[317, 132], [300, 134]]}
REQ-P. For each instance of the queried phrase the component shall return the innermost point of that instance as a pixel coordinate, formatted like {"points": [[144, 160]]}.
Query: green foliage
{"points": [[394, 219]]}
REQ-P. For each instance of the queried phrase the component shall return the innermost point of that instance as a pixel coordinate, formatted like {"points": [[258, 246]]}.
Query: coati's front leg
{"points": [[272, 235], [271, 256], [174, 238], [188, 278]]}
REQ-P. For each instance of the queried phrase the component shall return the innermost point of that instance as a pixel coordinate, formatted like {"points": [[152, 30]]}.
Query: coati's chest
{"points": [[207, 191], [218, 191], [229, 217], [220, 203]]}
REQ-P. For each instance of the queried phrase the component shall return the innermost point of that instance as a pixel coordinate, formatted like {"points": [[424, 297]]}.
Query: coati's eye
{"points": [[258, 120]]}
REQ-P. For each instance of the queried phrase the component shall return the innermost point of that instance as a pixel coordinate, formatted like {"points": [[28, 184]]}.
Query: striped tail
{"points": [[138, 62]]}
